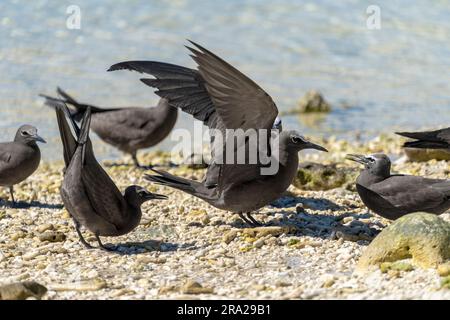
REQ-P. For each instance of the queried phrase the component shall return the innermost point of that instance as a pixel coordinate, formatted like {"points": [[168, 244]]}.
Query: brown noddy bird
{"points": [[19, 158], [224, 98], [88, 193], [128, 129], [394, 195], [437, 139]]}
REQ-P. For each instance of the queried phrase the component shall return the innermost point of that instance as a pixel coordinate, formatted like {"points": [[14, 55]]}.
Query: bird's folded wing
{"points": [[411, 191], [103, 194]]}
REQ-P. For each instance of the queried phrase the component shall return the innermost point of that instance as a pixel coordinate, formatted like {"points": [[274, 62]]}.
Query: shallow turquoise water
{"points": [[377, 80]]}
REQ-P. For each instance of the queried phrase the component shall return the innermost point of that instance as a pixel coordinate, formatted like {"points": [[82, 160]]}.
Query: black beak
{"points": [[39, 138], [151, 196], [357, 158], [310, 145]]}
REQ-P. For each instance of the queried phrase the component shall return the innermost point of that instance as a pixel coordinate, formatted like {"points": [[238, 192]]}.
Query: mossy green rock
{"points": [[316, 176], [313, 101], [421, 236]]}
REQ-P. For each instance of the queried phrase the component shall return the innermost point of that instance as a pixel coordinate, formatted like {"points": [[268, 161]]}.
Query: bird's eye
{"points": [[25, 133], [371, 159], [296, 139]]}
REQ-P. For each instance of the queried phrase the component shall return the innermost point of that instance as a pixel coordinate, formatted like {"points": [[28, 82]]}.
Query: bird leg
{"points": [[244, 218], [136, 162], [11, 191], [100, 244], [253, 220], [84, 242]]}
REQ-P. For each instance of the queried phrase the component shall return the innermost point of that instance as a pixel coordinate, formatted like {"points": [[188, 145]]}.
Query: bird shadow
{"points": [[32, 204], [131, 248]]}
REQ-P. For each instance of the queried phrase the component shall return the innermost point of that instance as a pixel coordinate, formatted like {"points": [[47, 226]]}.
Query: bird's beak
{"points": [[37, 137], [151, 196], [357, 158], [311, 145]]}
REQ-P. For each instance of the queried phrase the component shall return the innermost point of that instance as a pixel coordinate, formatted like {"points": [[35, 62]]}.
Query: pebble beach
{"points": [[308, 248]]}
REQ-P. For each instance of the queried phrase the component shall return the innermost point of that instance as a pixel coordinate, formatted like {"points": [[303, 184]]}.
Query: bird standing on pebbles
{"points": [[19, 158], [128, 129], [223, 98], [88, 193], [392, 196]]}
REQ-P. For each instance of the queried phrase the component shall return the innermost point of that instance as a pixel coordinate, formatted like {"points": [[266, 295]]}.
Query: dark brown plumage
{"points": [[394, 195], [88, 193], [437, 139], [223, 98], [128, 129]]}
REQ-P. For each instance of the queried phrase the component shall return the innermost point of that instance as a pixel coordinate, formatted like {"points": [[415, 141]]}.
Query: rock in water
{"points": [[22, 291], [421, 155], [313, 101], [316, 176], [421, 236]]}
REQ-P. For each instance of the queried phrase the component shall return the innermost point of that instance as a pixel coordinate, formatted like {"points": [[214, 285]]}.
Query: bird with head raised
{"points": [[89, 194], [19, 158], [226, 100], [394, 195]]}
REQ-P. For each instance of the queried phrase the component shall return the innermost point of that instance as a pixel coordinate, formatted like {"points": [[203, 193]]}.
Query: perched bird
{"points": [[224, 99], [88, 193], [20, 158], [392, 196], [128, 129], [438, 139]]}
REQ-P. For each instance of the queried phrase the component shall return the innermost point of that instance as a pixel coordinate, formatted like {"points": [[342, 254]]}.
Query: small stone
{"points": [[347, 219], [44, 227], [229, 236], [259, 232], [22, 291], [31, 255], [85, 285], [193, 287], [259, 243], [52, 236], [18, 235]]}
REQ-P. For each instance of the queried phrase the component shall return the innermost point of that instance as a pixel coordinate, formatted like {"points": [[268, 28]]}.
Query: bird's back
{"points": [[134, 128], [17, 162]]}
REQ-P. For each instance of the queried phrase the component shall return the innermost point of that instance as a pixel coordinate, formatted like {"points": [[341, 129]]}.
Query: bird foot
{"points": [[103, 247]]}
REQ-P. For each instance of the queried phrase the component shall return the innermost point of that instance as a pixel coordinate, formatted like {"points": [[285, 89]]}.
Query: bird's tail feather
{"points": [[78, 108], [425, 135], [192, 187]]}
